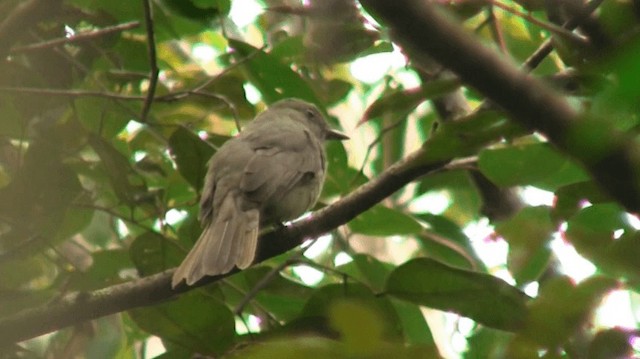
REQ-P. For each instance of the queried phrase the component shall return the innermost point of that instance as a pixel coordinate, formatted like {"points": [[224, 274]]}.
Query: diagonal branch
{"points": [[610, 156], [81, 36], [78, 307]]}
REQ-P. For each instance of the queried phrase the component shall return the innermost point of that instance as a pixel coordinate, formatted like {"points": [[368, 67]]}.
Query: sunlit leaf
{"points": [[527, 164], [274, 79], [481, 297], [384, 221]]}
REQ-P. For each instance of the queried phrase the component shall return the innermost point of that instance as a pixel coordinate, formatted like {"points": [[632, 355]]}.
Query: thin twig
{"points": [[547, 46], [153, 62], [169, 97], [496, 31], [81, 36], [536, 58], [559, 30], [375, 142], [71, 93], [263, 282], [77, 307], [115, 214]]}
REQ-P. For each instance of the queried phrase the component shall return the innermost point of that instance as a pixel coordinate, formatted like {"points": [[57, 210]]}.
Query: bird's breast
{"points": [[297, 201]]}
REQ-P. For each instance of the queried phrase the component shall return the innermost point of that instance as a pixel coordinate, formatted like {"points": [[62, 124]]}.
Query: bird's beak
{"points": [[336, 135]]}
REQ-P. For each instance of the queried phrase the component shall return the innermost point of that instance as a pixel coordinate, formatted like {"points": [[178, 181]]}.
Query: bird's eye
{"points": [[311, 114]]}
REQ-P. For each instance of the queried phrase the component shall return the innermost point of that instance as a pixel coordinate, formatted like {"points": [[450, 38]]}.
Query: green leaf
{"points": [[570, 198], [612, 343], [414, 325], [289, 49], [99, 116], [464, 199], [384, 221], [194, 320], [270, 76], [105, 270], [199, 10], [322, 300], [75, 220], [308, 347], [484, 298], [487, 343], [38, 198], [528, 234], [360, 326], [12, 123], [562, 308], [152, 253], [367, 270], [528, 164], [444, 241], [394, 101], [191, 154], [405, 101], [465, 138], [603, 235], [119, 171], [333, 91], [378, 48], [340, 178], [282, 298]]}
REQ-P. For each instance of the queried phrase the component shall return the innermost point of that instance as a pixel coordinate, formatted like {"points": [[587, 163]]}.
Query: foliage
{"points": [[101, 167]]}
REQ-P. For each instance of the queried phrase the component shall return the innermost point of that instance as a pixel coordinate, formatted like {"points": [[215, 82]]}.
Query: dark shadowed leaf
{"points": [[191, 154], [562, 308], [194, 320], [444, 240], [199, 10], [106, 269], [152, 253], [281, 297], [528, 234], [612, 343], [125, 182], [602, 234]]}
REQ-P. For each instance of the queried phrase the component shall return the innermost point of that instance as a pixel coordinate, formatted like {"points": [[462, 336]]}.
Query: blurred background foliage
{"points": [[513, 253]]}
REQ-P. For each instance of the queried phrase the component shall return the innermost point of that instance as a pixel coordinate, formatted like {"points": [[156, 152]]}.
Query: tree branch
{"points": [[153, 62], [78, 307], [81, 36], [420, 27]]}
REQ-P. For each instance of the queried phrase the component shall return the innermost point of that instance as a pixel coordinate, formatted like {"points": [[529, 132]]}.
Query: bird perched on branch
{"points": [[272, 172]]}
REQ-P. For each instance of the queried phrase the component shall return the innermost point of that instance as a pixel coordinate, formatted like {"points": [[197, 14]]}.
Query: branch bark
{"points": [[611, 157], [79, 37], [75, 308]]}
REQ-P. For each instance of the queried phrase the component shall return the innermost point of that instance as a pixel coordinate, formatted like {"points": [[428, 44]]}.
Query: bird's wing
{"points": [[281, 160]]}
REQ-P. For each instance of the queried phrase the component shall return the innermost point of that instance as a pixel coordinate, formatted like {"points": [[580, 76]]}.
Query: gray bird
{"points": [[272, 172]]}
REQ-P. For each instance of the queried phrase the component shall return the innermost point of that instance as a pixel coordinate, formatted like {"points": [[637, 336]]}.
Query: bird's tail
{"points": [[229, 239]]}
